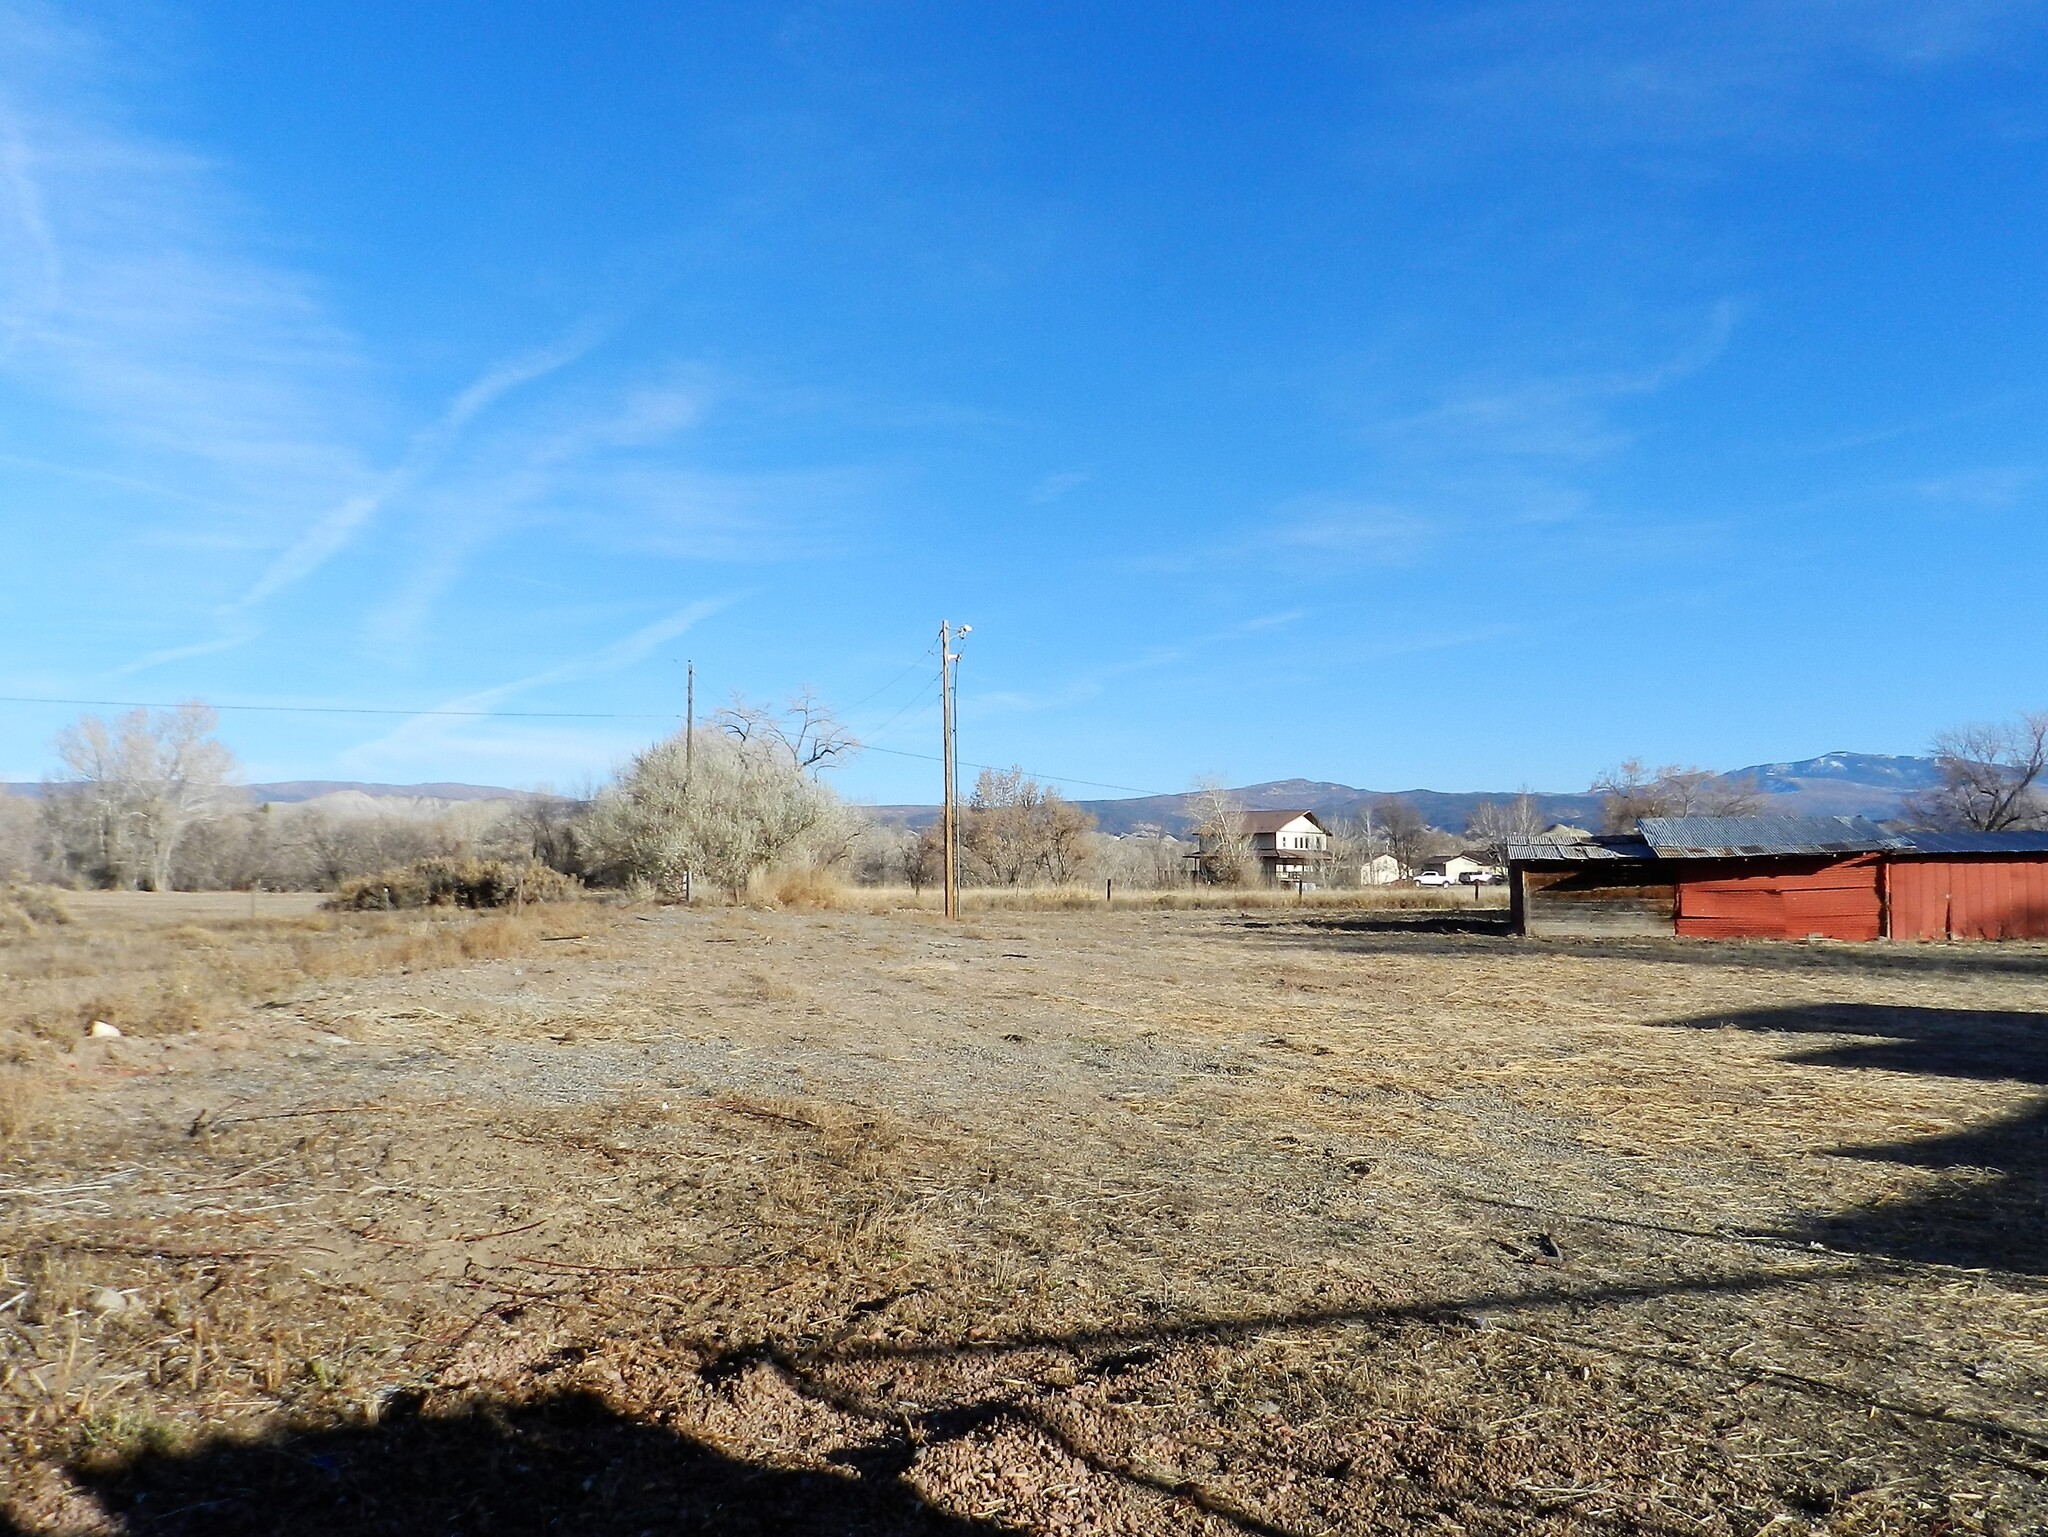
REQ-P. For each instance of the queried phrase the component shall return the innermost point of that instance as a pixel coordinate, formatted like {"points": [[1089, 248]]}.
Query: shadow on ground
{"points": [[1993, 1211], [573, 1464], [567, 1465], [1488, 931]]}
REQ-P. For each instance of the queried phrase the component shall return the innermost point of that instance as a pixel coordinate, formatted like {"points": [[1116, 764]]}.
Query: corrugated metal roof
{"points": [[1734, 837], [1579, 851], [1739, 837], [1977, 843]]}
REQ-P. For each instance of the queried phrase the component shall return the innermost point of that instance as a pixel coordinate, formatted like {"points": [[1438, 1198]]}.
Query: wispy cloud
{"points": [[1095, 681], [127, 292], [1533, 73], [1991, 489], [1560, 414], [1260, 623], [1346, 531], [131, 302], [1053, 487], [144, 315], [227, 640], [697, 514], [421, 735], [333, 531]]}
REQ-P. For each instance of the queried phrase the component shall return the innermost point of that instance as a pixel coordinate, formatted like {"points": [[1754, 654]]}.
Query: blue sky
{"points": [[1468, 396]]}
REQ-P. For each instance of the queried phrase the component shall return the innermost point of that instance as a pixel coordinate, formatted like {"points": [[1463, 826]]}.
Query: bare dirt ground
{"points": [[1203, 1222]]}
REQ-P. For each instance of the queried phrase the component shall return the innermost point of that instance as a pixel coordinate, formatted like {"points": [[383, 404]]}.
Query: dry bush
{"points": [[719, 814], [456, 883], [24, 909], [809, 886]]}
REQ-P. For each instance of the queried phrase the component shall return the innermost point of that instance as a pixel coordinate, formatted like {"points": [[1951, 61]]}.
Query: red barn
{"points": [[1969, 886], [1773, 877], [1784, 878]]}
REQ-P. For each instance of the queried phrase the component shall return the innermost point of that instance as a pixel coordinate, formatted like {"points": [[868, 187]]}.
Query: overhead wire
{"points": [[919, 662], [928, 695], [1064, 779]]}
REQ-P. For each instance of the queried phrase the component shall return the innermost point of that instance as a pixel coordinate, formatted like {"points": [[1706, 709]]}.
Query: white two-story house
{"points": [[1287, 846]]}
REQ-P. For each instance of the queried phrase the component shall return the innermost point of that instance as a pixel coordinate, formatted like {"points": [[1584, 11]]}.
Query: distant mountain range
{"points": [[1834, 784], [292, 792]]}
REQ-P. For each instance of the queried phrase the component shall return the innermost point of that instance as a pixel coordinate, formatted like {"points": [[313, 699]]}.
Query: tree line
{"points": [[149, 800]]}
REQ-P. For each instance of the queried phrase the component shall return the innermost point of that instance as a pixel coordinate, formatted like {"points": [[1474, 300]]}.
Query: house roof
{"points": [[1734, 837], [1256, 822]]}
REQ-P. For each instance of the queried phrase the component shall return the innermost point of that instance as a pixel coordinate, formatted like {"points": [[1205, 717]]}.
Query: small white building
{"points": [[1380, 870]]}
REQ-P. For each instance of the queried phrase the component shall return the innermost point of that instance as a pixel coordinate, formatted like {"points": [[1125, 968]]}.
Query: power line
{"points": [[1064, 779], [895, 680], [925, 696]]}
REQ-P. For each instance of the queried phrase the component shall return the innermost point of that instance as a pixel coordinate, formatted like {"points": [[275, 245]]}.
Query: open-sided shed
{"points": [[1589, 887]]}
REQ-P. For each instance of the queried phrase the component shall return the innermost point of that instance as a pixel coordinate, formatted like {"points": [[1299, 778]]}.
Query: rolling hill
{"points": [[1834, 784]]}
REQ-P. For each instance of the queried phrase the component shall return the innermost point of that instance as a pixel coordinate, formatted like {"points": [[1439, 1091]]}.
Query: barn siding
{"points": [[1785, 899], [1988, 898], [1916, 898]]}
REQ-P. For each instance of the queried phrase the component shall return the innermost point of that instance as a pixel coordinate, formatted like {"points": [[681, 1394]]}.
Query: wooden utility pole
{"points": [[689, 761], [952, 831]]}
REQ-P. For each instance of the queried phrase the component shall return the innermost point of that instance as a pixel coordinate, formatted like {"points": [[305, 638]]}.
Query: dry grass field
{"points": [[1289, 1220]]}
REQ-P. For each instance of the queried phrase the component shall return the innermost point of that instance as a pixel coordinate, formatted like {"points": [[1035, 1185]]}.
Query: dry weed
{"points": [[808, 888], [1092, 898], [155, 979], [27, 1100], [25, 909]]}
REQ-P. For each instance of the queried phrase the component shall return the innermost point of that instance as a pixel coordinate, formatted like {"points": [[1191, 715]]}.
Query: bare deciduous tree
{"points": [[549, 828], [19, 837], [1142, 860], [1355, 843], [132, 790], [1990, 776], [1631, 792], [805, 732], [1016, 830], [1410, 838], [1223, 833], [1495, 827], [230, 853], [924, 859]]}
